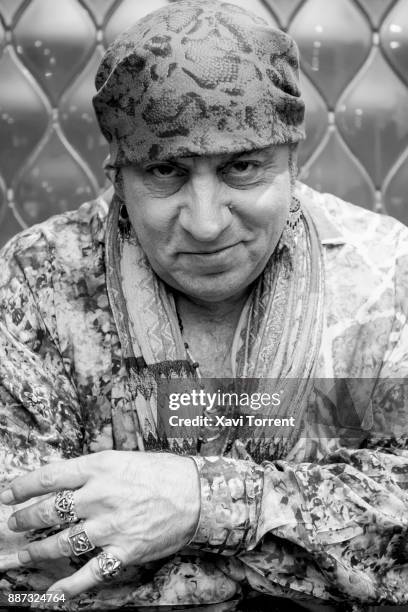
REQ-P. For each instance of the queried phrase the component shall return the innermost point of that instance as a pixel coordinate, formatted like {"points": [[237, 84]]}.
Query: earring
{"points": [[123, 221], [123, 213], [294, 213], [288, 238]]}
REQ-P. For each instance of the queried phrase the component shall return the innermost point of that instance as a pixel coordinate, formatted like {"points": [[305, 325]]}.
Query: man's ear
{"points": [[108, 169], [116, 178]]}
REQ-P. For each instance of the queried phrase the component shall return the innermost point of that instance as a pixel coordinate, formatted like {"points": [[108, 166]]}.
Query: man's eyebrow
{"points": [[223, 156], [269, 149]]}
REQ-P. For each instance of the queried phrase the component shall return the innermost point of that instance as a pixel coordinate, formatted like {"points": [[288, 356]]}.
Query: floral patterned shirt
{"points": [[326, 523]]}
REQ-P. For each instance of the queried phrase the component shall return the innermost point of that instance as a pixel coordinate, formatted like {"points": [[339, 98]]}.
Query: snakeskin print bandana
{"points": [[198, 78]]}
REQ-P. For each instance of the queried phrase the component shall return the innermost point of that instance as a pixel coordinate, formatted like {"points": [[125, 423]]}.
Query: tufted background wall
{"points": [[354, 76]]}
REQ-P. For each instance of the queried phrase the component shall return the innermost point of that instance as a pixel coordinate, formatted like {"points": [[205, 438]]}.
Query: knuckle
{"points": [[18, 490], [111, 524], [63, 545], [45, 514], [35, 551], [47, 478], [81, 465], [24, 557], [86, 465], [95, 571], [20, 519], [66, 587]]}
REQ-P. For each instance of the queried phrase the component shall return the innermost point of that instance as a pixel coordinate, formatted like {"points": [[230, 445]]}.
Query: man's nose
{"points": [[205, 213]]}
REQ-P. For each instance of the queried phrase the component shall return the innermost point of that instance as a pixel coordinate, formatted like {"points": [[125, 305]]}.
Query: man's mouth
{"points": [[212, 251], [215, 260]]}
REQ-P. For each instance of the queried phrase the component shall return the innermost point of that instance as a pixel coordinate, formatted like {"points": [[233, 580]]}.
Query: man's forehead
{"points": [[265, 151]]}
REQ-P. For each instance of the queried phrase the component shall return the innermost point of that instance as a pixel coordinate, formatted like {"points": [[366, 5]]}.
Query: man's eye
{"points": [[164, 171], [241, 167], [241, 173]]}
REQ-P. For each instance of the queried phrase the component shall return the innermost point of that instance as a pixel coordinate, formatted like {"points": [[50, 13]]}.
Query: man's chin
{"points": [[212, 288]]}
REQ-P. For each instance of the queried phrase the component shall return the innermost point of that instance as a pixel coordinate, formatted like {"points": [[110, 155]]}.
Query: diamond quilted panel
{"points": [[126, 14], [394, 38], [9, 9], [376, 9], [395, 191], [257, 7], [52, 182], [2, 37], [23, 114], [53, 51], [3, 202], [79, 121], [316, 119], [283, 9], [57, 40], [8, 222], [373, 117], [334, 170], [99, 8], [333, 44]]}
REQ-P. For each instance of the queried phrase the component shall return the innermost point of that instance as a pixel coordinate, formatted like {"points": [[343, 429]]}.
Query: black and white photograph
{"points": [[204, 305]]}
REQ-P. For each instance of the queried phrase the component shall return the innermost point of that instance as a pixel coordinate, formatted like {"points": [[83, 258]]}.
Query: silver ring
{"points": [[65, 506], [78, 539], [109, 565]]}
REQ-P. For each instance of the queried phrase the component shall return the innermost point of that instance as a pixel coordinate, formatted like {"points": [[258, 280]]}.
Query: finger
{"points": [[37, 516], [9, 561], [44, 514], [58, 545], [69, 474], [86, 578]]}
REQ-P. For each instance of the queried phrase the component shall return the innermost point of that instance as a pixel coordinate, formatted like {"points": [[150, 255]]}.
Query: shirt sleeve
{"points": [[39, 407], [335, 529]]}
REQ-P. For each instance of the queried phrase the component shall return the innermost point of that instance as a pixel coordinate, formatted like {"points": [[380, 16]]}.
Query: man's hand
{"points": [[137, 506]]}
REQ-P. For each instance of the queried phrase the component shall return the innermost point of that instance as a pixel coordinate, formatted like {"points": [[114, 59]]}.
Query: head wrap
{"points": [[198, 78]]}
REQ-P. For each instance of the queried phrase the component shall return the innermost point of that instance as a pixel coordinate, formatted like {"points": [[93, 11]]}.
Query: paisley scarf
{"points": [[276, 342]]}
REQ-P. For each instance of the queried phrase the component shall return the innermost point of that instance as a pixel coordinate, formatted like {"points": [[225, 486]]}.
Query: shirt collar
{"points": [[328, 231]]}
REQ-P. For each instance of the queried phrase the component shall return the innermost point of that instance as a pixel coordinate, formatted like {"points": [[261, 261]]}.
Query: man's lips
{"points": [[211, 261], [211, 251]]}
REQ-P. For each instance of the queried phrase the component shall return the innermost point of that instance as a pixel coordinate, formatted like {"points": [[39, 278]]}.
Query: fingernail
{"points": [[12, 523], [24, 556], [7, 497], [55, 593]]}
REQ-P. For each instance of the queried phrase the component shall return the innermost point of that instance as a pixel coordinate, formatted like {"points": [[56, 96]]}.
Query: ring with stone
{"points": [[65, 506], [109, 565], [79, 539]]}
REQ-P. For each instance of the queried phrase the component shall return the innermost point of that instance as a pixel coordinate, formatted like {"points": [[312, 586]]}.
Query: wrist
{"points": [[231, 495]]}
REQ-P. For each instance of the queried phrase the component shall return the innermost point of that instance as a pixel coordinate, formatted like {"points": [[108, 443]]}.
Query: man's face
{"points": [[208, 224]]}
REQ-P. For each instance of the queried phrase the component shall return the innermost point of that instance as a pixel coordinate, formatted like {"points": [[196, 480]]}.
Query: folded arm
{"points": [[335, 528]]}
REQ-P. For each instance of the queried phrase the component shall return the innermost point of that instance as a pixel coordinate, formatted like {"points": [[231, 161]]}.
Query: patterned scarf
{"points": [[278, 337]]}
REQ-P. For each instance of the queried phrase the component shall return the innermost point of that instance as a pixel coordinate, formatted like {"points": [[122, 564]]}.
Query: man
{"points": [[208, 260]]}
